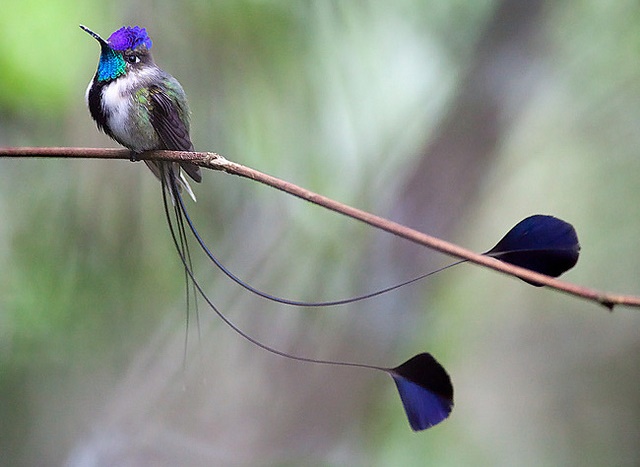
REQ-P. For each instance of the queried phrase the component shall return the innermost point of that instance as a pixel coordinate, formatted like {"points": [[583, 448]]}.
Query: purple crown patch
{"points": [[129, 38]]}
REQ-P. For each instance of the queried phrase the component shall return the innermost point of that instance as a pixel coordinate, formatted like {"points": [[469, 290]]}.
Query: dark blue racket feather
{"points": [[425, 390], [541, 243]]}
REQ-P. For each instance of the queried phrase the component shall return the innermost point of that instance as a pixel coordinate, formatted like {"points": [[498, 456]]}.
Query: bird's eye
{"points": [[132, 58]]}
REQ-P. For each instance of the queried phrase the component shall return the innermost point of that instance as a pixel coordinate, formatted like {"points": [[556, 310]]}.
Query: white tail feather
{"points": [[181, 180]]}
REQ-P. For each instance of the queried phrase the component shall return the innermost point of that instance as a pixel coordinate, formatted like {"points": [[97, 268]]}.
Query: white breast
{"points": [[117, 102]]}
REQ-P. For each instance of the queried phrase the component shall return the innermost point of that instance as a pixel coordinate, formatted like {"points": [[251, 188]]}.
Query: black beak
{"points": [[103, 43]]}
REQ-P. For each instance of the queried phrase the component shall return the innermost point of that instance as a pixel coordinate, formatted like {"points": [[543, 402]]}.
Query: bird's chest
{"points": [[124, 108]]}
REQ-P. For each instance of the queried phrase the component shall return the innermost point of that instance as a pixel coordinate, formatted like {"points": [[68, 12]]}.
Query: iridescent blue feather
{"points": [[425, 390]]}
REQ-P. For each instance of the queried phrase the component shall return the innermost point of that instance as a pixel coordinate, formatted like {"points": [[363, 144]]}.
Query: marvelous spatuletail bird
{"points": [[138, 104], [144, 108]]}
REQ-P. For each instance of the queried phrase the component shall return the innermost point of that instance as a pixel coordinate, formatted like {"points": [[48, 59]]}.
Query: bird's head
{"points": [[127, 49]]}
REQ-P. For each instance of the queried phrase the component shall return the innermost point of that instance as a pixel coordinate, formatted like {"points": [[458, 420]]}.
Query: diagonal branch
{"points": [[214, 161]]}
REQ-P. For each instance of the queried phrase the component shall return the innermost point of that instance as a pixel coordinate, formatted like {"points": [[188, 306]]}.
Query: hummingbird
{"points": [[140, 105]]}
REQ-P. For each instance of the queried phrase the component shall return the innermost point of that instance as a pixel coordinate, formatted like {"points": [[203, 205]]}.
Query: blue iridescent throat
{"points": [[111, 65]]}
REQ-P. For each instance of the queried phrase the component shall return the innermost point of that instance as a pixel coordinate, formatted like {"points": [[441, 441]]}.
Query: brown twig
{"points": [[216, 162]]}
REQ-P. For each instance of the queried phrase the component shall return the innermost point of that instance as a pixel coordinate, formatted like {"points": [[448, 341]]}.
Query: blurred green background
{"points": [[456, 118]]}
